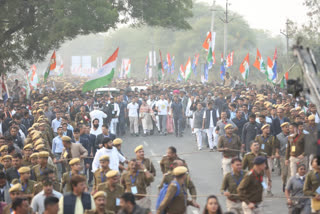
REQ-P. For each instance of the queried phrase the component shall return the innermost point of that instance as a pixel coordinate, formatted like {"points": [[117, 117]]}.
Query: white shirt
{"points": [[55, 124], [96, 132], [189, 113], [37, 203], [133, 109], [116, 108], [268, 120], [317, 119], [211, 125], [22, 135], [97, 114], [162, 106], [114, 156]]}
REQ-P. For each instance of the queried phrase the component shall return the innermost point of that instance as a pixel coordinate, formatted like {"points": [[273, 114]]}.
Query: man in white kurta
{"points": [[114, 156]]}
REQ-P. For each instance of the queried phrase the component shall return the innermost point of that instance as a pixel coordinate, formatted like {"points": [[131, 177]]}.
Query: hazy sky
{"points": [[267, 14]]}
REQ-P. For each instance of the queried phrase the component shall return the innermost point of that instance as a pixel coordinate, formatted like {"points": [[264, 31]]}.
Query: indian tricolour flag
{"points": [[259, 63], [244, 68], [269, 72], [51, 66], [188, 69], [104, 75], [210, 57]]}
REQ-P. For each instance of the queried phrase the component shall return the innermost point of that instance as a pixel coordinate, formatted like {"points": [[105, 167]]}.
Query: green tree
{"points": [[309, 31], [31, 28]]}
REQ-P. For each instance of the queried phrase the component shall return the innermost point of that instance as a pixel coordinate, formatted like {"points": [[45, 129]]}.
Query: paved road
{"points": [[205, 169]]}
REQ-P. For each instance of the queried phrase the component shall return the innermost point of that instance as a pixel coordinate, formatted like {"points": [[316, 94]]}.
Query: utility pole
{"points": [[212, 14], [226, 20], [287, 35]]}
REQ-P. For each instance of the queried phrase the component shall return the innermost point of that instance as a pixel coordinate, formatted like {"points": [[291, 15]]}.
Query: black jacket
{"points": [[69, 133], [100, 138], [275, 126], [207, 119]]}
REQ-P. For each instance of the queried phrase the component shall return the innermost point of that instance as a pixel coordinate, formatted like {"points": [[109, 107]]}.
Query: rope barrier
{"points": [[221, 195], [180, 154]]}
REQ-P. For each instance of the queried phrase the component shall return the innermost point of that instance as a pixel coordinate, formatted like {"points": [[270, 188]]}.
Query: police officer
{"points": [[145, 161], [295, 149], [250, 189], [178, 204], [27, 151], [38, 170], [167, 160], [267, 144], [75, 170], [230, 145], [14, 192], [229, 186], [113, 190], [100, 175], [168, 177], [26, 184], [100, 202], [82, 117], [34, 159], [135, 180]]}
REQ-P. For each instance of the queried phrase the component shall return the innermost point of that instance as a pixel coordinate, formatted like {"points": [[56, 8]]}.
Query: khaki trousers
{"points": [[294, 164], [284, 170], [134, 125], [226, 165], [235, 207], [247, 210]]}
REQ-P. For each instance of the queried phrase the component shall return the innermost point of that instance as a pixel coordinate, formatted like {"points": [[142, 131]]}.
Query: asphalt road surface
{"points": [[204, 166]]}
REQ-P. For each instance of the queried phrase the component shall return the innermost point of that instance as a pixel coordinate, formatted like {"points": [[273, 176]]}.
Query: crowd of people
{"points": [[61, 150]]}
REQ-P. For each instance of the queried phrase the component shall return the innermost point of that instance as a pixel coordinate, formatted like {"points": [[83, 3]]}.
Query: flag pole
{"points": [[212, 23]]}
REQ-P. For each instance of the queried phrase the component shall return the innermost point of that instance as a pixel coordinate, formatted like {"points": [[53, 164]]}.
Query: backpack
{"points": [[163, 193]]}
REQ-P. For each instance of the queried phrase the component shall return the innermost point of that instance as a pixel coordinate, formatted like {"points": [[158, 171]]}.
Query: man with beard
{"points": [[114, 156], [95, 129], [105, 133], [100, 174], [97, 117]]}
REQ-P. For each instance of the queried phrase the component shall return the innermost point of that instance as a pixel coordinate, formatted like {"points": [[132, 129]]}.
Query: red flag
{"points": [[205, 44], [257, 62], [53, 62], [286, 75], [275, 56], [168, 59]]}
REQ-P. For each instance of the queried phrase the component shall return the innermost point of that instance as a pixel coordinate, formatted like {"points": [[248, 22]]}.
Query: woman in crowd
{"points": [[212, 206]]}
